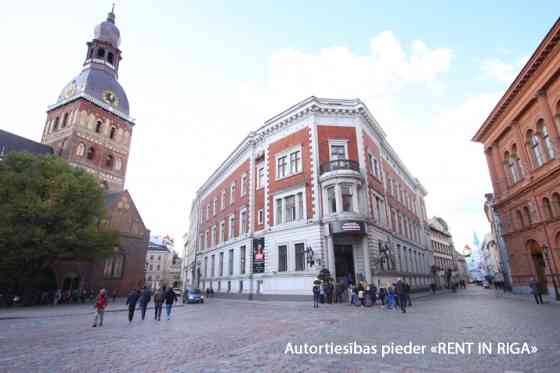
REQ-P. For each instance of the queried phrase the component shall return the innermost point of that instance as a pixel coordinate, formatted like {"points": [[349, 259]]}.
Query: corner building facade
{"points": [[521, 138], [316, 187]]}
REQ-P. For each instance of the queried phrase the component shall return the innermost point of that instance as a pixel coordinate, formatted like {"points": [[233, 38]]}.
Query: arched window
{"points": [[64, 120], [101, 53], [98, 126], [113, 132], [547, 209], [510, 168], [534, 144], [55, 126], [516, 161], [110, 58], [80, 150], [527, 215], [91, 153], [556, 204], [109, 160], [520, 219], [547, 142]]}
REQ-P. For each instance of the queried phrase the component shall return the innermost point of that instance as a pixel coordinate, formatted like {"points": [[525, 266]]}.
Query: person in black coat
{"points": [[373, 294], [145, 298], [131, 301], [170, 298], [316, 292], [382, 295]]}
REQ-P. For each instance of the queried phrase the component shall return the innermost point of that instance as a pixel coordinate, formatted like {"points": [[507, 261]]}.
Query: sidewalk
{"points": [[64, 310]]}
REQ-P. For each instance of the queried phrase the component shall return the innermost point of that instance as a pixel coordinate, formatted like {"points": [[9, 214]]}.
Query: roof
{"points": [[111, 197], [10, 142], [152, 246], [539, 55]]}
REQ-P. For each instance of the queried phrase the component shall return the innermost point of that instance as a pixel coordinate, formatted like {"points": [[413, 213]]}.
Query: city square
{"points": [[280, 187], [227, 335]]}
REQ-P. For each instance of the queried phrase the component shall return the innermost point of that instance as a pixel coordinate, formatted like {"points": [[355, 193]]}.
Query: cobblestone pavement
{"points": [[240, 336]]}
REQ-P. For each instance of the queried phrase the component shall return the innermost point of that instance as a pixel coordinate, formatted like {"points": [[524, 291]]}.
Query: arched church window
{"points": [[547, 142], [556, 204], [91, 153], [547, 208], [109, 160], [520, 219], [100, 53], [535, 147], [65, 120], [110, 58], [55, 126], [113, 132], [80, 150], [98, 126], [527, 215]]}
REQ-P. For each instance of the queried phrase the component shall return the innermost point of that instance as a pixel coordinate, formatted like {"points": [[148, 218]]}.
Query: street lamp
{"points": [[545, 252]]}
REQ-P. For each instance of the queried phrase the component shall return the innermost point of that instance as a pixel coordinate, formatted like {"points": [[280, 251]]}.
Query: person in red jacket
{"points": [[100, 305]]}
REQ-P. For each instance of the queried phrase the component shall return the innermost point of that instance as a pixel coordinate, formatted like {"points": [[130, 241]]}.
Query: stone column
{"points": [[330, 255], [366, 259]]}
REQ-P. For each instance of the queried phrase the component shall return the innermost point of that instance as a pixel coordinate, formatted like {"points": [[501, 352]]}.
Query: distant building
{"points": [[163, 265], [443, 249]]}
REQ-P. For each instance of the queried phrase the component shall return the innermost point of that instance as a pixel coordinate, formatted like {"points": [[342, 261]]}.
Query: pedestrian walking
{"points": [[170, 298], [131, 301], [407, 292], [145, 300], [158, 303], [316, 292], [100, 305], [402, 292], [536, 291], [382, 295], [391, 300], [433, 287], [373, 294]]}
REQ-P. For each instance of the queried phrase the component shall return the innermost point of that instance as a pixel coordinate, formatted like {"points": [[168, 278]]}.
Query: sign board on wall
{"points": [[258, 255]]}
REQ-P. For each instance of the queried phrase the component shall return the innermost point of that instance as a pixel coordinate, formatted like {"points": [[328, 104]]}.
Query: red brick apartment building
{"points": [[316, 187], [521, 142]]}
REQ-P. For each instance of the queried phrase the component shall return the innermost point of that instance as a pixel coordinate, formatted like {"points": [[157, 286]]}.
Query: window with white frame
{"points": [[282, 258], [215, 206], [223, 200], [338, 150], [222, 231], [242, 253], [260, 177], [243, 221], [347, 190], [300, 256], [208, 212], [244, 184], [213, 240], [213, 266], [261, 217], [289, 163], [221, 264], [232, 194], [289, 207], [331, 199], [231, 227]]}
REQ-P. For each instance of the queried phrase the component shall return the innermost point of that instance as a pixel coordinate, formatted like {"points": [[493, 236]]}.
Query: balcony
{"points": [[340, 164]]}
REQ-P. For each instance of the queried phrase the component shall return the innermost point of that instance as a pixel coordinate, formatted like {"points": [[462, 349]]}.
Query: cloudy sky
{"points": [[201, 74]]}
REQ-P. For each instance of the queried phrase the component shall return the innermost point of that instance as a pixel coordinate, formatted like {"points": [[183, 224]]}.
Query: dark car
{"points": [[193, 296]]}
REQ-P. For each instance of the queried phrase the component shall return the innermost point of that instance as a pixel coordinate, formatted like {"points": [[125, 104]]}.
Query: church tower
{"points": [[89, 125]]}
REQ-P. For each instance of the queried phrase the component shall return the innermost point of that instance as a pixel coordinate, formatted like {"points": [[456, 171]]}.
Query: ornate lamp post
{"points": [[545, 252]]}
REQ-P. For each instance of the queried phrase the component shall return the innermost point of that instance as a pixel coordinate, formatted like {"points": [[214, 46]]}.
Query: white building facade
{"points": [[316, 187]]}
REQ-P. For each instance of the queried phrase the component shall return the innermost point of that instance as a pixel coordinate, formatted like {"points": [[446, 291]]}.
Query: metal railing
{"points": [[340, 164]]}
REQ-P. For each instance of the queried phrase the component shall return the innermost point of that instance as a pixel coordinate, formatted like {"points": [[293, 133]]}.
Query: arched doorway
{"points": [[538, 260]]}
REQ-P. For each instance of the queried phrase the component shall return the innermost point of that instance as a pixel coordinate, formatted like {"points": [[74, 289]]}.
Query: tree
{"points": [[49, 211]]}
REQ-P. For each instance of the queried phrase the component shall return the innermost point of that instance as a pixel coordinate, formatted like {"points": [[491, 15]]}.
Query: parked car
{"points": [[193, 296]]}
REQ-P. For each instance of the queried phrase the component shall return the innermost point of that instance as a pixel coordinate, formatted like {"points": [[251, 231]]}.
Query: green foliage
{"points": [[49, 210]]}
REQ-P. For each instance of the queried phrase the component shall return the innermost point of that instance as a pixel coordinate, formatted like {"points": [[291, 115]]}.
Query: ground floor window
{"points": [[282, 258], [300, 256]]}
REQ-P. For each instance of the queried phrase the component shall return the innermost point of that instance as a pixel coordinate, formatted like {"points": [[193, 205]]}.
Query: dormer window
{"points": [[91, 153], [109, 160]]}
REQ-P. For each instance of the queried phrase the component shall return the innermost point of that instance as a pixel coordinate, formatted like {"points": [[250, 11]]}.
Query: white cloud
{"points": [[498, 70]]}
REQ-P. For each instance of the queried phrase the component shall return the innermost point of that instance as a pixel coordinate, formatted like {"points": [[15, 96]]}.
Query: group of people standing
{"points": [[142, 297], [391, 296]]}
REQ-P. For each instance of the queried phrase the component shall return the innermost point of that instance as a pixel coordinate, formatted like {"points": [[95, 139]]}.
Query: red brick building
{"points": [[91, 128], [521, 142], [317, 186]]}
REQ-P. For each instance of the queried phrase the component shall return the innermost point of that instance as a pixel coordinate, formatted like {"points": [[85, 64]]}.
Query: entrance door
{"points": [[344, 262], [539, 264]]}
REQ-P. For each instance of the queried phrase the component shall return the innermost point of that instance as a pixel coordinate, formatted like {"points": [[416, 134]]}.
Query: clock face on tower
{"points": [[70, 90], [110, 98]]}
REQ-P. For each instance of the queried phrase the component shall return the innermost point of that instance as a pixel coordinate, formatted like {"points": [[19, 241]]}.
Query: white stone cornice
{"points": [[97, 102]]}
